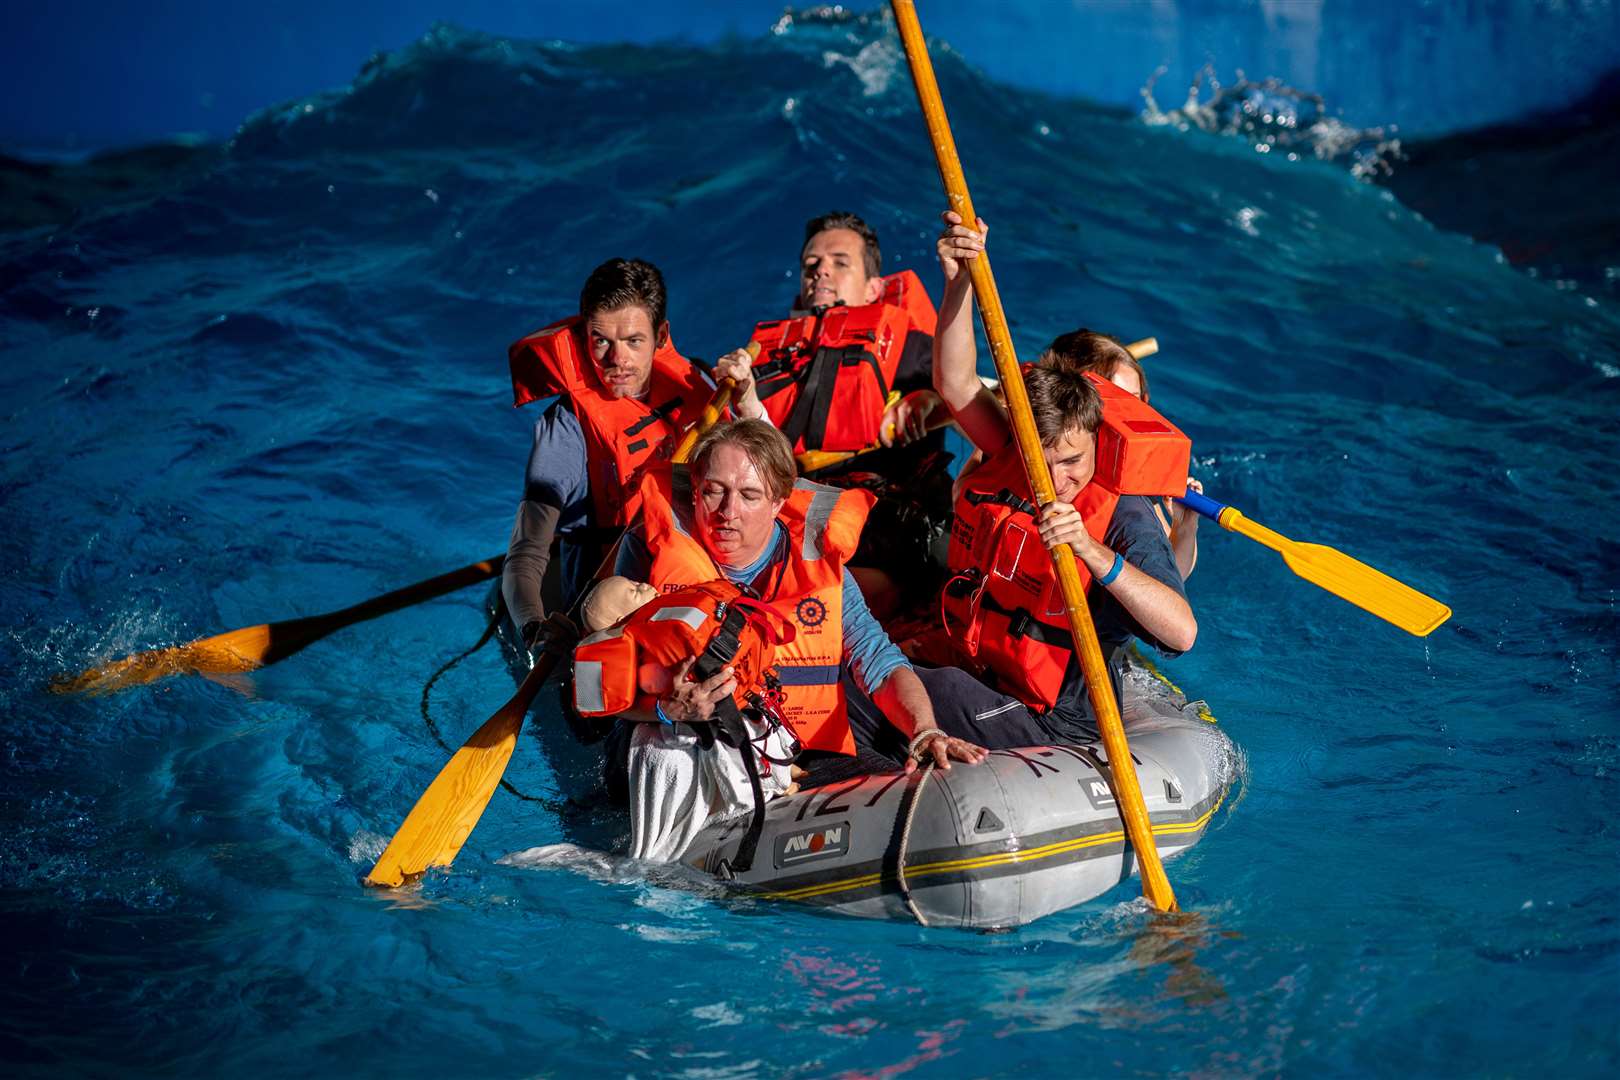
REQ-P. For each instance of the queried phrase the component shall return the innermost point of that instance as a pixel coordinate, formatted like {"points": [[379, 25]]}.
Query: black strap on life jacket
{"points": [[1004, 497], [730, 727], [1022, 623], [654, 415], [808, 420]]}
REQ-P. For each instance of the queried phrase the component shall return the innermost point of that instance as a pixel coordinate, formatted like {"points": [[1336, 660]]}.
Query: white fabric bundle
{"points": [[677, 787]]}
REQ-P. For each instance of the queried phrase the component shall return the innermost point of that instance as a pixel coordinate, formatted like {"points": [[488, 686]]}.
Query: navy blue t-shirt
{"points": [[1134, 532]]}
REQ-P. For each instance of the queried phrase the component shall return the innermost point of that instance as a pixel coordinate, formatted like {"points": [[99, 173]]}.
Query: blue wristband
{"points": [[658, 710], [1113, 571]]}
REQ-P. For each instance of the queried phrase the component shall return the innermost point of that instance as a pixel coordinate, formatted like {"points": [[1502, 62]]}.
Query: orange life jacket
{"points": [[673, 628], [624, 437], [825, 377], [1002, 606], [805, 586]]}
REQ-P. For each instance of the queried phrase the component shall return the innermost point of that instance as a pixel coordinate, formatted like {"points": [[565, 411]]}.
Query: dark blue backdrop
{"points": [[80, 74]]}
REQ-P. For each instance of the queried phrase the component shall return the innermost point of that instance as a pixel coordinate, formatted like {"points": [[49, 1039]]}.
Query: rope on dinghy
{"points": [[905, 844]]}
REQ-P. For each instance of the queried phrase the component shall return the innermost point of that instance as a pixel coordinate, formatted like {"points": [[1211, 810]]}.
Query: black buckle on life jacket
{"points": [[1022, 623], [964, 583], [655, 414], [723, 646], [730, 726], [1004, 497]]}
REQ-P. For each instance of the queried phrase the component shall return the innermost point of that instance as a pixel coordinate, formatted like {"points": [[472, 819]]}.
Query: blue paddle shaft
{"points": [[1203, 504]]}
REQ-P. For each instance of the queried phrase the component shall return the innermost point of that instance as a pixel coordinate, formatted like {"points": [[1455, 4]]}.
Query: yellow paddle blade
{"points": [[1351, 579], [223, 654], [444, 816], [252, 647]]}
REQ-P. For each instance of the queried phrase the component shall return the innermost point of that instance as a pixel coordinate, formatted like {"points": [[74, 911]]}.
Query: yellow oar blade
{"points": [[1369, 589], [252, 647], [223, 654], [1351, 579], [444, 816]]}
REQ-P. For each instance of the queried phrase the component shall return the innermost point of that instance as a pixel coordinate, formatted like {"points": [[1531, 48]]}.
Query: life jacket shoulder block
{"points": [[666, 631], [1139, 452]]}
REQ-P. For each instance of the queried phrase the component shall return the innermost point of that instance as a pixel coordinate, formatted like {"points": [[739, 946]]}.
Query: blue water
{"points": [[280, 388]]}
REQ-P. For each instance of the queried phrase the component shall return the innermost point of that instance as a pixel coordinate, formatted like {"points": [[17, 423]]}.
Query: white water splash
{"points": [[1275, 116]]}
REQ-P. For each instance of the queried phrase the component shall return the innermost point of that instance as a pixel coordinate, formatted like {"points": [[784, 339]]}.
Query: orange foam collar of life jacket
{"points": [[805, 586], [825, 377], [1002, 607], [625, 438], [668, 631]]}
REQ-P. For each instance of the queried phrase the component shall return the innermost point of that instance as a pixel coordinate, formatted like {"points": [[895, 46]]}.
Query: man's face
{"points": [[833, 268], [733, 507], [1073, 461], [622, 343]]}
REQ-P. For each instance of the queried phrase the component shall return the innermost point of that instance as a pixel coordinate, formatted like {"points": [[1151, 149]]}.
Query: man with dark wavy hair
{"points": [[624, 397]]}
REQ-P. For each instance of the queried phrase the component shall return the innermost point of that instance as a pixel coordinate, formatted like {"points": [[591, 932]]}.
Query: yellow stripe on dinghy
{"points": [[1003, 858]]}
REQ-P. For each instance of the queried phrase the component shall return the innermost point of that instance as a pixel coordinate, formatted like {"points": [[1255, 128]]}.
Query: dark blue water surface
{"points": [[279, 387]]}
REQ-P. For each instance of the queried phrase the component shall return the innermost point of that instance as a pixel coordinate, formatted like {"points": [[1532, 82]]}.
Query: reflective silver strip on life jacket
{"points": [[588, 697], [816, 516], [691, 616]]}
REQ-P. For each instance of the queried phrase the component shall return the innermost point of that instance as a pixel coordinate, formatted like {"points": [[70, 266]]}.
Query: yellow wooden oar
{"points": [[811, 460], [442, 819], [1099, 687], [1353, 580], [252, 647]]}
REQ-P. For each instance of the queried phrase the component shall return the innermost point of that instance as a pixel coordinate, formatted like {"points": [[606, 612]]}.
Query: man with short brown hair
{"points": [[624, 397]]}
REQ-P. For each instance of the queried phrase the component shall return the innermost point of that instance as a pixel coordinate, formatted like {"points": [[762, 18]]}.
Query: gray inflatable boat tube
{"points": [[1024, 834]]}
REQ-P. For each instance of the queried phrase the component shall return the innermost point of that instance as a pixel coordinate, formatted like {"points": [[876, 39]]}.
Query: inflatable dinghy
{"points": [[1025, 833]]}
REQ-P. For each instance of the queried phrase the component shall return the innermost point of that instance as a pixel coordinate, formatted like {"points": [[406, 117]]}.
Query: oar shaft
{"points": [[811, 460], [1099, 686], [432, 588], [1233, 520]]}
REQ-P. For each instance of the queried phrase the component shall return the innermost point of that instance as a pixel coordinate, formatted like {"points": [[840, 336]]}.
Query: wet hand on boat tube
{"points": [[689, 702], [931, 744]]}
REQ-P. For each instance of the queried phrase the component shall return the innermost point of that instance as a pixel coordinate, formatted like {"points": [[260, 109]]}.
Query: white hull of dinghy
{"points": [[1026, 833]]}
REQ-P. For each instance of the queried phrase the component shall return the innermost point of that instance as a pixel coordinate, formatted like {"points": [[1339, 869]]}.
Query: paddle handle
{"points": [[1199, 502], [1232, 519]]}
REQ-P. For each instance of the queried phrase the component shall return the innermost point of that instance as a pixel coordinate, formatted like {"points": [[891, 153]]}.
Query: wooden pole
{"points": [[1100, 688]]}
